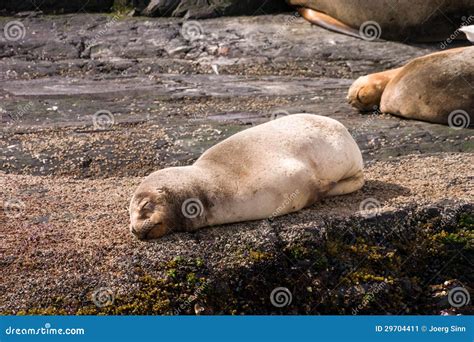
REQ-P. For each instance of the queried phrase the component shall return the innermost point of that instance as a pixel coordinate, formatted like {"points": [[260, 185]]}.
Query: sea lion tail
{"points": [[328, 22]]}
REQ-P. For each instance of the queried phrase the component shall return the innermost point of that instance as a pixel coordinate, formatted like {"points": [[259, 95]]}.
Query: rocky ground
{"points": [[91, 103]]}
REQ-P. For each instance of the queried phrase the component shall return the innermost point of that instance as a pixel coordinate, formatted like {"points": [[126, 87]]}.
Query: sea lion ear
{"points": [[160, 192]]}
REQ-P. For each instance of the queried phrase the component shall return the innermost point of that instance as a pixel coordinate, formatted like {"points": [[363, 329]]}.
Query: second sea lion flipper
{"points": [[328, 22]]}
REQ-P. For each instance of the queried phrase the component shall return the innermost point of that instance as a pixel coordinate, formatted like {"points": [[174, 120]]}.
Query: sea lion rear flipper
{"points": [[328, 22], [347, 185]]}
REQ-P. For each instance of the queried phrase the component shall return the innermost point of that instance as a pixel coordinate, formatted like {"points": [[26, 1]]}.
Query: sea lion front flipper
{"points": [[366, 92], [328, 22]]}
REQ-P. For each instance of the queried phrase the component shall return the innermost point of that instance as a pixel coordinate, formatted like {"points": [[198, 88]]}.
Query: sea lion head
{"points": [[365, 93], [149, 215], [167, 201]]}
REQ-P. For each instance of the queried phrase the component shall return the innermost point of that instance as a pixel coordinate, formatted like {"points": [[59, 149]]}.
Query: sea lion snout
{"points": [[146, 219], [147, 229]]}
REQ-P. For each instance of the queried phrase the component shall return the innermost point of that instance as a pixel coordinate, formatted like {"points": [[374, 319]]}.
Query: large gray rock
{"points": [[56, 6], [209, 8]]}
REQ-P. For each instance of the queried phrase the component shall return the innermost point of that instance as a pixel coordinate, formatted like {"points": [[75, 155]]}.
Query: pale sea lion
{"points": [[436, 88], [265, 171], [469, 32], [402, 20]]}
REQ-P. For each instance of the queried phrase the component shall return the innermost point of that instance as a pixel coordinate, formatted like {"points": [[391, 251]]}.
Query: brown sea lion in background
{"points": [[402, 20], [436, 88]]}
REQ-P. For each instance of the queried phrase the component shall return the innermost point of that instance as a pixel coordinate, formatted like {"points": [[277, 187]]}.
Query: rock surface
{"points": [[92, 103], [154, 8], [56, 6], [408, 231], [212, 8]]}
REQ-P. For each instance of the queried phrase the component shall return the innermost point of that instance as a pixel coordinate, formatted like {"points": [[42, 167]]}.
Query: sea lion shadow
{"points": [[375, 194], [385, 190]]}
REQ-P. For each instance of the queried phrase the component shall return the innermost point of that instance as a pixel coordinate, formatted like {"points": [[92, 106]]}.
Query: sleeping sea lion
{"points": [[401, 20], [437, 88], [265, 171]]}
